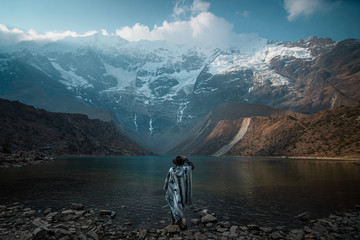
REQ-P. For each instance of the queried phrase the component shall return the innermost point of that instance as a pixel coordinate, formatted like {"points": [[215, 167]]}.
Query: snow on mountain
{"points": [[259, 62], [153, 86]]}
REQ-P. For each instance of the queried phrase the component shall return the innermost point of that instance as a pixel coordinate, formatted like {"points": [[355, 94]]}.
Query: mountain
{"points": [[24, 127], [333, 133], [158, 91]]}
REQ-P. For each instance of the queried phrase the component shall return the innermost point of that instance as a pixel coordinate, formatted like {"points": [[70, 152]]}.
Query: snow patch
{"points": [[70, 79]]}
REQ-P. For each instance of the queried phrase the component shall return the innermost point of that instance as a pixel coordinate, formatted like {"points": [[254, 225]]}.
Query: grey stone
{"points": [[318, 227], [208, 219], [40, 232], [253, 227], [68, 211], [51, 215], [200, 236], [195, 221], [209, 225], [142, 234], [47, 211], [105, 212], [37, 222], [172, 229], [225, 234], [221, 229], [266, 229], [305, 216], [77, 206], [234, 229], [29, 213], [233, 235], [93, 235], [276, 235]]}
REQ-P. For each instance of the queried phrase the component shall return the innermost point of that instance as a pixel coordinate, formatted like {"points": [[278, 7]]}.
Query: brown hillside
{"points": [[332, 133]]}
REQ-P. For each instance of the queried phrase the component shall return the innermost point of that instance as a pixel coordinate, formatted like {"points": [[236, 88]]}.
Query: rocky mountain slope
{"points": [[332, 133], [26, 128], [160, 91]]}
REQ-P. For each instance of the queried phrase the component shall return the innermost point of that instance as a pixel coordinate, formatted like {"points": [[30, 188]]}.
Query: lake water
{"points": [[263, 191]]}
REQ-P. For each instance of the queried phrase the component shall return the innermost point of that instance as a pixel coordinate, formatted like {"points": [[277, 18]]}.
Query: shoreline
{"points": [[27, 158], [76, 222]]}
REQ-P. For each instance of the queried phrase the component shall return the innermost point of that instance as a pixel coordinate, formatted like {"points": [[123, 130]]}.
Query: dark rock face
{"points": [[26, 128]]}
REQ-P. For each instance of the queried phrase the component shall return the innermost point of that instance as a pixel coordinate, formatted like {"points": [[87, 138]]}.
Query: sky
{"points": [[179, 21]]}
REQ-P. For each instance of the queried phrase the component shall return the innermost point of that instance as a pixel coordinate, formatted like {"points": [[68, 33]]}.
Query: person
{"points": [[178, 187]]}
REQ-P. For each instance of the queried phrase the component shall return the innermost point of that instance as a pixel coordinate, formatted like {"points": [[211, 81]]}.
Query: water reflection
{"points": [[243, 190]]}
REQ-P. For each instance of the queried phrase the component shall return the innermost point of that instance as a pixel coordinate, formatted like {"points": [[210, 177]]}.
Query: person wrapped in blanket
{"points": [[178, 187]]}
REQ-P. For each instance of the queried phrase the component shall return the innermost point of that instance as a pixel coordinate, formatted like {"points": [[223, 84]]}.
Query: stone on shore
{"points": [[92, 224], [208, 218], [172, 228], [77, 206]]}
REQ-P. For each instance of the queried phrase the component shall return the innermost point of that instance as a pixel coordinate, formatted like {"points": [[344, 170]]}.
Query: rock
{"points": [[172, 229], [51, 215], [276, 235], [305, 216], [319, 228], [29, 213], [142, 234], [225, 224], [208, 219], [93, 235], [266, 229], [68, 211], [234, 229], [37, 222], [200, 236], [195, 221], [40, 233], [105, 212], [112, 214], [253, 227], [209, 225], [77, 206], [221, 229], [47, 211], [233, 235], [60, 232]]}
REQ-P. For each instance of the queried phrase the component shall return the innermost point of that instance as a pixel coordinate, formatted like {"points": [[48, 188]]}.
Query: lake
{"points": [[265, 191]]}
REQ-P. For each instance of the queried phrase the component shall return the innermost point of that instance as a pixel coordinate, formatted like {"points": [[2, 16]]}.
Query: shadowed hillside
{"points": [[24, 127]]}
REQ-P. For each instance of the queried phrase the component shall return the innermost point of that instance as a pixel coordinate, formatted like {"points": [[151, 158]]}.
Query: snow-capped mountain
{"points": [[157, 90]]}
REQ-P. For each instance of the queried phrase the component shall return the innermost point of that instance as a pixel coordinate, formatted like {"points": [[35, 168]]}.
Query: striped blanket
{"points": [[178, 187]]}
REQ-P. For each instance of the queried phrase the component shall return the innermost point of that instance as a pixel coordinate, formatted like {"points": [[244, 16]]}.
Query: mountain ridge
{"points": [[153, 89]]}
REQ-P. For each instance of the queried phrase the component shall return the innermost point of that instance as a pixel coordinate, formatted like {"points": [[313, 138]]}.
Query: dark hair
{"points": [[179, 161]]}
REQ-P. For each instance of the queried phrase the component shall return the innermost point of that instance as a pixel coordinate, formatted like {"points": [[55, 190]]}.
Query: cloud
{"points": [[199, 6], [205, 28], [183, 10], [13, 36], [244, 13], [296, 8]]}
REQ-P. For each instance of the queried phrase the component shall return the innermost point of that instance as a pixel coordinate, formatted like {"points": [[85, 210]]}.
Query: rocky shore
{"points": [[76, 222], [23, 158]]}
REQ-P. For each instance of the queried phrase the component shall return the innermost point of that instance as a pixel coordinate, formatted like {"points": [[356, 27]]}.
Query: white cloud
{"points": [[12, 36], [181, 9], [296, 8], [205, 28], [244, 13], [199, 6]]}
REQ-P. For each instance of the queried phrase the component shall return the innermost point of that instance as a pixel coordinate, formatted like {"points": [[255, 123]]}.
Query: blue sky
{"points": [[179, 19]]}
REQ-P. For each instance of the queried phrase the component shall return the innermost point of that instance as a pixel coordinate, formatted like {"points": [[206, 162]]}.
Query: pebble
{"points": [[19, 222]]}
